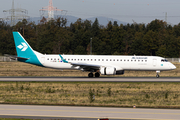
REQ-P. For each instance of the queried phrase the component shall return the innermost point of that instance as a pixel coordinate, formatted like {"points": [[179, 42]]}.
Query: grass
{"points": [[14, 119], [24, 69], [155, 95]]}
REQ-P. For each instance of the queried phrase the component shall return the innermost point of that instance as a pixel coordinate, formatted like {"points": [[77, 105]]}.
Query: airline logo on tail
{"points": [[23, 46]]}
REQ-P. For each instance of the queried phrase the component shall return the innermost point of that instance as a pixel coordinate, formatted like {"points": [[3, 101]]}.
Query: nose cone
{"points": [[173, 66]]}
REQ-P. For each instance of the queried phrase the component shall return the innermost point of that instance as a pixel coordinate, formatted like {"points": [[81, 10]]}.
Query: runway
{"points": [[86, 79], [35, 111]]}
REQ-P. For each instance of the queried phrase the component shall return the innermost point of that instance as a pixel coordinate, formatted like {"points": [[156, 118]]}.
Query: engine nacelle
{"points": [[108, 71]]}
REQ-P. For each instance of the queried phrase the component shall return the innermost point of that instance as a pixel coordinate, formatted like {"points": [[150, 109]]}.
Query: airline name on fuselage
{"points": [[139, 58]]}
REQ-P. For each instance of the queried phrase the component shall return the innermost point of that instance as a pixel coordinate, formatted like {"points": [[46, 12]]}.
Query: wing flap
{"points": [[86, 66]]}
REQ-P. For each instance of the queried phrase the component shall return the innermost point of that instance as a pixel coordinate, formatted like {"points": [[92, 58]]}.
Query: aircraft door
{"points": [[42, 60], [154, 62]]}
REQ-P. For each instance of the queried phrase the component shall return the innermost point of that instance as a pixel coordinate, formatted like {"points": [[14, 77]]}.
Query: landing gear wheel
{"points": [[90, 75], [157, 73], [97, 74], [157, 76]]}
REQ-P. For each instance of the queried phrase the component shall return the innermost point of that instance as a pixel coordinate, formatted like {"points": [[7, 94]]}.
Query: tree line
{"points": [[53, 37]]}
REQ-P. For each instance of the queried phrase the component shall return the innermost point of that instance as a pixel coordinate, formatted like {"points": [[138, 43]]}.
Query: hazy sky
{"points": [[141, 11]]}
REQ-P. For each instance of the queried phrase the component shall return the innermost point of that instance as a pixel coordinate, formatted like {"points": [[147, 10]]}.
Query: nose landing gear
{"points": [[157, 73]]}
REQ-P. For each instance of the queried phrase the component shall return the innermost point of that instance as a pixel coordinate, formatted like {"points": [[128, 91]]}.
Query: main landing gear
{"points": [[91, 74], [157, 74]]}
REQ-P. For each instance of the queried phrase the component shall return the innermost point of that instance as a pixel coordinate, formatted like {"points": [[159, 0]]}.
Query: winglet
{"points": [[63, 59]]}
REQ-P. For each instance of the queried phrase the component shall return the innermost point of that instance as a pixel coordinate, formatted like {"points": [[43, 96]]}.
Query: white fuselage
{"points": [[118, 62]]}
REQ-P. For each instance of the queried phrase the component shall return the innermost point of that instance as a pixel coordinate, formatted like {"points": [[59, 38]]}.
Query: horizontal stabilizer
{"points": [[15, 57]]}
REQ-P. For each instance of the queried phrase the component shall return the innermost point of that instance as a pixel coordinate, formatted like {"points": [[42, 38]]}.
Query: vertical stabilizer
{"points": [[23, 49]]}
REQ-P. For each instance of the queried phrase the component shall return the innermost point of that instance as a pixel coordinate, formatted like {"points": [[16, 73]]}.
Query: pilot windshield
{"points": [[164, 60]]}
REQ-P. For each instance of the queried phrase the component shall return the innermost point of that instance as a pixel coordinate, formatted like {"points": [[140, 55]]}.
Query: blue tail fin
{"points": [[23, 49]]}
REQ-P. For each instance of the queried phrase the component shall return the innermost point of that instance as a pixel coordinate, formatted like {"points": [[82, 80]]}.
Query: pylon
{"points": [[16, 17], [50, 10]]}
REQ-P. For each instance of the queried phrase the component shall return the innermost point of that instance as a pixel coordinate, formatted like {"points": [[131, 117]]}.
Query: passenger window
{"points": [[98, 59], [48, 59], [145, 60], [131, 60], [102, 59], [55, 59], [84, 59], [117, 60], [94, 59], [72, 59], [124, 60], [138, 60], [121, 60], [91, 59], [114, 60], [106, 59], [127, 60], [87, 59], [51, 59]]}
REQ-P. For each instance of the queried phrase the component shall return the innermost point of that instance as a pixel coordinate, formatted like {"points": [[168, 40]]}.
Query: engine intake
{"points": [[110, 71]]}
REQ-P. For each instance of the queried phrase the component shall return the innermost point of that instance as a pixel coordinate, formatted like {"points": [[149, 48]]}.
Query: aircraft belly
{"points": [[58, 65]]}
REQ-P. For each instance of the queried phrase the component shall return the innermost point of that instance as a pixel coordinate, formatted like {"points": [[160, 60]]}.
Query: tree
{"points": [[150, 42], [95, 28], [137, 45]]}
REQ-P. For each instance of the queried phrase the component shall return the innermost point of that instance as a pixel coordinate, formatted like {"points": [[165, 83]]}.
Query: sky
{"points": [[141, 11]]}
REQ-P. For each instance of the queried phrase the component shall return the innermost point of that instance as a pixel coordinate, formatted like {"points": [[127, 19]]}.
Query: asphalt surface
{"points": [[72, 112], [86, 79]]}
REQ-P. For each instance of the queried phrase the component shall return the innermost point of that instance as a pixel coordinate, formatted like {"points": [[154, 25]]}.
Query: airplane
{"points": [[98, 64]]}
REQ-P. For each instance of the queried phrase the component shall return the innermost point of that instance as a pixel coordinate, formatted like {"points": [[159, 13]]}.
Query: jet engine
{"points": [[110, 71]]}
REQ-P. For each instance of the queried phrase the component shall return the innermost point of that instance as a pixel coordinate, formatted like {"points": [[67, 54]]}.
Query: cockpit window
{"points": [[164, 60]]}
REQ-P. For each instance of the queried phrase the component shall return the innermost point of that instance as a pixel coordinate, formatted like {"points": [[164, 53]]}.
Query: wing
{"points": [[83, 66], [86, 67]]}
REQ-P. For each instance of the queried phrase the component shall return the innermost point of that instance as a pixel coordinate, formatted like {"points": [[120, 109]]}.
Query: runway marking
{"points": [[90, 111], [79, 117]]}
